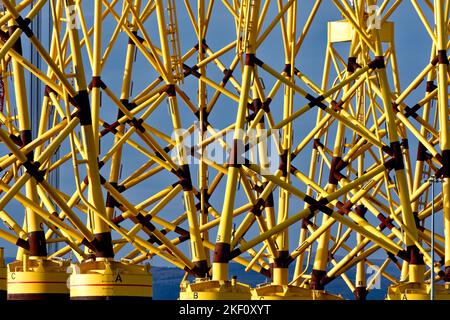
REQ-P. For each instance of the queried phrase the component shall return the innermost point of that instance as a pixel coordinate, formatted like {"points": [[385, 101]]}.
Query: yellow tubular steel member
{"points": [[322, 252], [415, 258], [280, 264], [34, 225], [197, 249], [222, 248], [101, 231], [202, 118], [442, 37], [26, 282]]}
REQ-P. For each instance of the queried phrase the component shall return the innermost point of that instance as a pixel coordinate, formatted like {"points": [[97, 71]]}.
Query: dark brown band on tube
{"points": [[24, 25], [422, 154], [415, 257], [152, 239], [111, 202], [18, 44], [283, 260], [48, 90], [235, 253], [430, 87], [250, 59], [361, 210], [412, 112], [287, 69], [283, 163], [265, 272], [201, 268], [26, 138], [352, 65], [392, 257], [435, 61], [335, 175], [109, 128], [315, 101], [446, 163], [442, 57], [337, 106], [403, 254], [385, 222], [257, 207], [316, 279], [266, 105], [33, 170], [236, 158], [84, 108], [222, 252], [97, 82], [387, 149], [23, 244], [360, 293], [405, 144], [185, 177], [89, 244], [140, 39], [315, 205], [117, 220], [395, 107], [227, 75], [377, 63], [104, 245], [145, 221], [188, 71], [204, 46], [317, 144], [269, 203], [344, 209], [120, 114], [306, 223], [170, 90], [397, 155], [38, 246], [447, 274], [137, 123]]}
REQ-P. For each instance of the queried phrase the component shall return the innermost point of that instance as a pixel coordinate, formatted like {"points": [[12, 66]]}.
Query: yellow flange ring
{"points": [[215, 290], [280, 292], [34, 285], [417, 291], [110, 286]]}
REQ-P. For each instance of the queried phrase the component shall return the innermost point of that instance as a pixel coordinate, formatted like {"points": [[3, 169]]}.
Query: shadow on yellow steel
{"points": [[36, 278], [417, 291], [110, 280], [286, 292], [2, 275], [203, 289]]}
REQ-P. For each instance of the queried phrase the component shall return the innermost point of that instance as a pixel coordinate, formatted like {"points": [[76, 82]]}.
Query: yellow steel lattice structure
{"points": [[137, 93]]}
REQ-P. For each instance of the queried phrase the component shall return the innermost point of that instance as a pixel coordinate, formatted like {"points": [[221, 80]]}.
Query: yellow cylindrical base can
{"points": [[417, 291], [286, 292], [37, 279], [214, 290], [110, 280]]}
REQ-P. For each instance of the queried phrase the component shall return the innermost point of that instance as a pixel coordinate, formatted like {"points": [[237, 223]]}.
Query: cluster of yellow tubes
{"points": [[362, 174]]}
